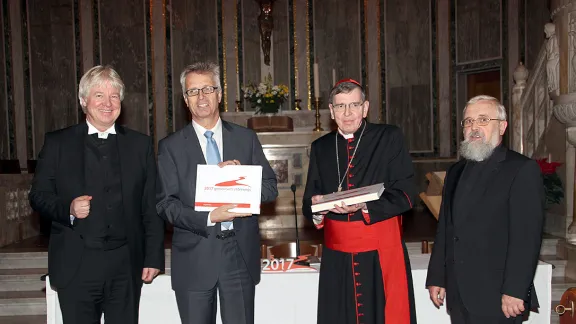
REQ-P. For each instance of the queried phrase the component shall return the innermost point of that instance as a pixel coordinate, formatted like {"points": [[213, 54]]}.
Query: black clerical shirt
{"points": [[473, 171]]}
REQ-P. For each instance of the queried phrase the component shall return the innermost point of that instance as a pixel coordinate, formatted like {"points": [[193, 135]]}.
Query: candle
{"points": [[296, 87], [333, 77], [316, 82], [550, 157], [238, 87]]}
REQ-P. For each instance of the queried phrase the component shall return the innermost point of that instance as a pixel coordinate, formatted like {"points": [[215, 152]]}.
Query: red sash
{"points": [[385, 237]]}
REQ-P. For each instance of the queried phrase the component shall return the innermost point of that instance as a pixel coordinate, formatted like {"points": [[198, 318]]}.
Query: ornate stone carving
{"points": [[565, 111], [572, 52], [521, 75], [553, 57], [558, 6], [520, 78]]}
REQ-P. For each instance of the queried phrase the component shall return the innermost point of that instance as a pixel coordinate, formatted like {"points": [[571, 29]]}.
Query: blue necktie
{"points": [[213, 157]]}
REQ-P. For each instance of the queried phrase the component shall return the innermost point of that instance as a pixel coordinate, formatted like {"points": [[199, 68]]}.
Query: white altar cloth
{"points": [[291, 298]]}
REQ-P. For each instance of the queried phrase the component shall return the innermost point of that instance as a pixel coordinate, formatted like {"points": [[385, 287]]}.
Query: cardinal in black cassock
{"points": [[365, 275]]}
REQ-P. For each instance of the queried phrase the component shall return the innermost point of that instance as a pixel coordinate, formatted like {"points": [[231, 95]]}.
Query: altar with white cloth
{"points": [[291, 298]]}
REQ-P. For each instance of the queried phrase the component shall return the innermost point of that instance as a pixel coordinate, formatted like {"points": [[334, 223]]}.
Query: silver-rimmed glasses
{"points": [[206, 90]]}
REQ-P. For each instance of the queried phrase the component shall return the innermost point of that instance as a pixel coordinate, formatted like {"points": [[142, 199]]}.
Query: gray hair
{"points": [[501, 110], [345, 87], [201, 68], [96, 76]]}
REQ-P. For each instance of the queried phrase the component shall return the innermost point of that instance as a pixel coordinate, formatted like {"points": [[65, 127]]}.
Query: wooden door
{"points": [[566, 308], [484, 83]]}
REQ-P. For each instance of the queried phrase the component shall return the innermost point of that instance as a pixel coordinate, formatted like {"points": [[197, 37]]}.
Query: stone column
{"points": [[565, 112], [563, 14], [518, 133]]}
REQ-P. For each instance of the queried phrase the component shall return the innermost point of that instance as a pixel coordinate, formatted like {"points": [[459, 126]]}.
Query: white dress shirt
{"points": [[217, 136], [104, 134]]}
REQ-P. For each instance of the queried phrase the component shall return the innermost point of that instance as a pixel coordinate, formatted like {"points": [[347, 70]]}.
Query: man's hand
{"points": [[148, 274], [343, 209], [223, 214], [437, 295], [316, 199], [229, 162], [512, 306], [80, 207]]}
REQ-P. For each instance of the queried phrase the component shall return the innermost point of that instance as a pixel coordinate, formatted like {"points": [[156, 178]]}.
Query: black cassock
{"points": [[365, 274]]}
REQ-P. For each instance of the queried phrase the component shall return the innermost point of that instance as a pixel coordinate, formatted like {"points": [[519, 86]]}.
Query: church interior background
{"points": [[419, 61]]}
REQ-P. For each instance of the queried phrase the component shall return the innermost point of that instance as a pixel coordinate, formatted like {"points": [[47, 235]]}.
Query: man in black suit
{"points": [[96, 181], [490, 226], [217, 251]]}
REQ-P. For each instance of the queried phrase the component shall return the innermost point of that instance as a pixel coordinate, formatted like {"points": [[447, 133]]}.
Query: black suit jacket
{"points": [[59, 179], [493, 247], [195, 259]]}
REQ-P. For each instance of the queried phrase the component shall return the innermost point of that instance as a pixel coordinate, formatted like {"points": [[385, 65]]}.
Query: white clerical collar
{"points": [[346, 136], [104, 134]]}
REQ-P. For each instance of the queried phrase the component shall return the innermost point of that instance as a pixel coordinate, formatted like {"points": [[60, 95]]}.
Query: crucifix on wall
{"points": [[266, 24]]}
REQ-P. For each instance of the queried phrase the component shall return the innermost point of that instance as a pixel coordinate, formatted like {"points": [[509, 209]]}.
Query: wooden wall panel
{"points": [[537, 15], [53, 88], [478, 24], [4, 129], [337, 34], [281, 46], [123, 45], [409, 71], [194, 36], [251, 45]]}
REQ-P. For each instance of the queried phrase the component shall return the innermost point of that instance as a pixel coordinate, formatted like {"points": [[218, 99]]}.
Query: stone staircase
{"points": [[23, 299], [549, 253], [22, 293]]}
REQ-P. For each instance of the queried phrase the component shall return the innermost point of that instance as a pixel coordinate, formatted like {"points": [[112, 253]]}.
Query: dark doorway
{"points": [[484, 83]]}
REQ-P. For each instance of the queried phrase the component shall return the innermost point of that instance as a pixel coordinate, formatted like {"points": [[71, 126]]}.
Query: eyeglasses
{"points": [[205, 90], [352, 105], [480, 121]]}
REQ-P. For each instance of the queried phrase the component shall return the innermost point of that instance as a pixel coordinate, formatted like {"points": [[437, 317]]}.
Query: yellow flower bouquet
{"points": [[265, 97]]}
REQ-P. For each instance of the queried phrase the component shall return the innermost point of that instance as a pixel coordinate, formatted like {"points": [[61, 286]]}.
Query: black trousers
{"points": [[460, 315], [102, 285], [234, 287]]}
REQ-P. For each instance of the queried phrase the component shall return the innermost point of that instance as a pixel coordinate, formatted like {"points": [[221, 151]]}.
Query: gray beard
{"points": [[476, 150]]}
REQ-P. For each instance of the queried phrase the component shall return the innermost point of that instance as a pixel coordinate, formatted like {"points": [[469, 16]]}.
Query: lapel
{"points": [[476, 195], [75, 155], [229, 153], [227, 146], [451, 187], [125, 153], [192, 145]]}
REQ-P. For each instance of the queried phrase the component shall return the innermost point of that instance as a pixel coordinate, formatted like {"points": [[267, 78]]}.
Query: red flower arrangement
{"points": [[548, 167], [552, 182]]}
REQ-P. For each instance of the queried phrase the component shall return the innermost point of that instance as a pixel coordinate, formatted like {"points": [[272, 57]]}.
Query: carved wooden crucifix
{"points": [[266, 24]]}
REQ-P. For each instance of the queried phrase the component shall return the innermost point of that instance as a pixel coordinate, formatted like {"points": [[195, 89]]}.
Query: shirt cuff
{"points": [[366, 215], [318, 220], [209, 222]]}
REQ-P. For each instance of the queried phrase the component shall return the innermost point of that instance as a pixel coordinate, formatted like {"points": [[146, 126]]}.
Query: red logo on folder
{"points": [[232, 183]]}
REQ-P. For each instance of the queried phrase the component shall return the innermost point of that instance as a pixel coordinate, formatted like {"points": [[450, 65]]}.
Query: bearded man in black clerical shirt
{"points": [[490, 225]]}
